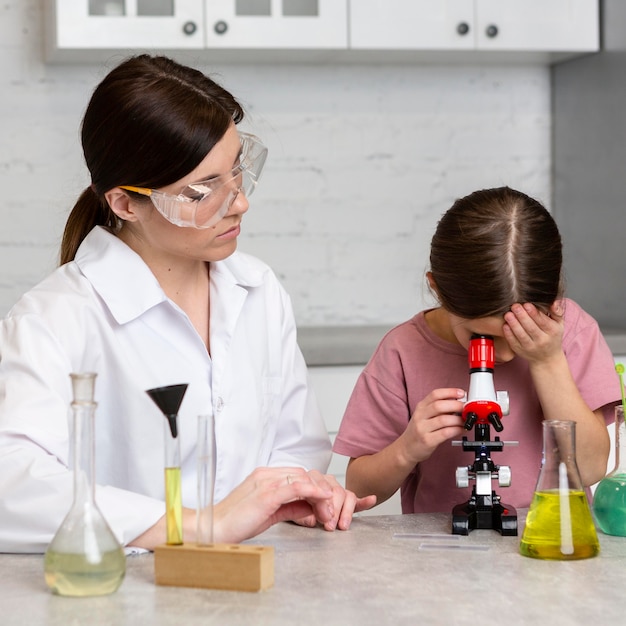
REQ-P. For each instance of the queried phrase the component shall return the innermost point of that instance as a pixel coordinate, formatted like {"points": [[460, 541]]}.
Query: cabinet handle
{"points": [[189, 28], [220, 27], [491, 31], [462, 28]]}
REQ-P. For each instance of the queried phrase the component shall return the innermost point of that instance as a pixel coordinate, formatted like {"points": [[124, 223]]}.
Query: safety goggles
{"points": [[205, 203]]}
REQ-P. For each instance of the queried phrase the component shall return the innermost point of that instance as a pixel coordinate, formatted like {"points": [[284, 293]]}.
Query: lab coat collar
{"points": [[128, 286], [238, 269], [119, 275]]}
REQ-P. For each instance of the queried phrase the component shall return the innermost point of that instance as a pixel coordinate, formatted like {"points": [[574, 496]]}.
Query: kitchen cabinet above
{"points": [[276, 24], [474, 25], [317, 30]]}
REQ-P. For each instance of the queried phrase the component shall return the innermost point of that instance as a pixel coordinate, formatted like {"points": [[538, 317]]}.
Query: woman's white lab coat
{"points": [[106, 313]]}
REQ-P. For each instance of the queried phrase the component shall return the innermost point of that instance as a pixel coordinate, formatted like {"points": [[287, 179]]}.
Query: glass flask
{"points": [[609, 501], [559, 524], [84, 557]]}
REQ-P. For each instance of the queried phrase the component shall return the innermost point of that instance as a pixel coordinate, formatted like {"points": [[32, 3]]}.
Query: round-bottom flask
{"points": [[84, 558], [559, 524], [609, 501]]}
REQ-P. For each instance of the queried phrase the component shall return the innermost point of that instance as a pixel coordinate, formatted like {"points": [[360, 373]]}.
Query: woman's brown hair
{"points": [[149, 123], [493, 248]]}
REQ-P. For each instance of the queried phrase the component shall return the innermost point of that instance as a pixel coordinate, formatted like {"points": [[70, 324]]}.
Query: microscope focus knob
{"points": [[462, 477], [504, 476]]}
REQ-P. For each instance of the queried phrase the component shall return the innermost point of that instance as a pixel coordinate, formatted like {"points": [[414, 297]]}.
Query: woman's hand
{"points": [[268, 496], [272, 495], [344, 504]]}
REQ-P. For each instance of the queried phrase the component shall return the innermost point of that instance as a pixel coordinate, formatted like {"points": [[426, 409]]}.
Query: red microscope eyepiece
{"points": [[481, 354]]}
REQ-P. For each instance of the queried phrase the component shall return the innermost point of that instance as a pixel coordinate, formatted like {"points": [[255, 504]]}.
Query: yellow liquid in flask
{"points": [[559, 527], [72, 574]]}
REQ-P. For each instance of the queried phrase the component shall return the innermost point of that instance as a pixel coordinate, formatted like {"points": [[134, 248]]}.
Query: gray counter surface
{"points": [[368, 575]]}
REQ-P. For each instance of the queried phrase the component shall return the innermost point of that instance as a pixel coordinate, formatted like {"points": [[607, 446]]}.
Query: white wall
{"points": [[333, 386], [363, 160]]}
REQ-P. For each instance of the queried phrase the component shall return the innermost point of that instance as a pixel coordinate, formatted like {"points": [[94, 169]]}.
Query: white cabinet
{"points": [[340, 30], [554, 25], [411, 24], [124, 24], [80, 26], [277, 24], [516, 25]]}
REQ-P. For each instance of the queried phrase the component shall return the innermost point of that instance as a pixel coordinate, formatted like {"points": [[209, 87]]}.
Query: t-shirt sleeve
{"points": [[378, 411], [591, 363]]}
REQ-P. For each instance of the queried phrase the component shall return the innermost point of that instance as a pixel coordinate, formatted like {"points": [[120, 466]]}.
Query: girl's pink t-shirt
{"points": [[411, 361]]}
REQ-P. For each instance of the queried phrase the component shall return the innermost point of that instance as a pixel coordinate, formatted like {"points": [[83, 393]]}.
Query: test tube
{"points": [[173, 494], [168, 399], [206, 479]]}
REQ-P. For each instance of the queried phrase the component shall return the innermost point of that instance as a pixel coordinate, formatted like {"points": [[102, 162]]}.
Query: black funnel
{"points": [[169, 399]]}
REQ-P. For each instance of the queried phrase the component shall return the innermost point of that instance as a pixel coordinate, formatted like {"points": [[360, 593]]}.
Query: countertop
{"points": [[369, 575], [354, 345]]}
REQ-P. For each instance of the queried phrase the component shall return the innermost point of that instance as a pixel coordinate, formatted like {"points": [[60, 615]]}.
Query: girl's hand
{"points": [[436, 419], [533, 335]]}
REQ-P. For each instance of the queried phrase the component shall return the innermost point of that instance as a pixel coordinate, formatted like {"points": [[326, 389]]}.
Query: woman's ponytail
{"points": [[89, 211]]}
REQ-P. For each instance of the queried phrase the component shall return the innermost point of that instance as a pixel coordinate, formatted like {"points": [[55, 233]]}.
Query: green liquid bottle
{"points": [[559, 524], [84, 558], [609, 501]]}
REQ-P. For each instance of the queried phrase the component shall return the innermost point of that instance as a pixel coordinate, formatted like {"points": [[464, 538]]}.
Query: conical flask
{"points": [[559, 524], [609, 501], [84, 558], [169, 399]]}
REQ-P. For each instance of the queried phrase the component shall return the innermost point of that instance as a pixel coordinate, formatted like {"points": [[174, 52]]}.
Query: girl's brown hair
{"points": [[149, 123], [493, 248]]}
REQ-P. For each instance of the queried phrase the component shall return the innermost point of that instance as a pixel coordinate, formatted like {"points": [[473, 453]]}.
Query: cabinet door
{"points": [[277, 24], [412, 24], [115, 24], [550, 25]]}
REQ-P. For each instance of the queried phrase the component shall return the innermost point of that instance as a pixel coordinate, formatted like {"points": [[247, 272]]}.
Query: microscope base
{"points": [[469, 516]]}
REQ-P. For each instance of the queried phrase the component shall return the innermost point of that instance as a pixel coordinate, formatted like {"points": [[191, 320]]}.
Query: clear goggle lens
{"points": [[205, 203]]}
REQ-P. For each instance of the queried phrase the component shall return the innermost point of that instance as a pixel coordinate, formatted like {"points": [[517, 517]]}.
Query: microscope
{"points": [[483, 409]]}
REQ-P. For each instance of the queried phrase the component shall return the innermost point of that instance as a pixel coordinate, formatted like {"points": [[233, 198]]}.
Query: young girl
{"points": [[495, 270]]}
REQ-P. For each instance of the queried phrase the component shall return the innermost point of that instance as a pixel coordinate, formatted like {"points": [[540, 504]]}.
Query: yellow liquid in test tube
{"points": [[173, 506]]}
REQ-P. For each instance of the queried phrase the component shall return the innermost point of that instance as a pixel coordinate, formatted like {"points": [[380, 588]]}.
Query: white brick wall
{"points": [[363, 160]]}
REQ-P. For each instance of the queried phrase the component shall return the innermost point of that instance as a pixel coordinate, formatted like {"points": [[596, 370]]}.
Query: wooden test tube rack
{"points": [[217, 566]]}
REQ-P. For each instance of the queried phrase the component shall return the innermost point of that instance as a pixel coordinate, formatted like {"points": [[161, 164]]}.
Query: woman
{"points": [[151, 292]]}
